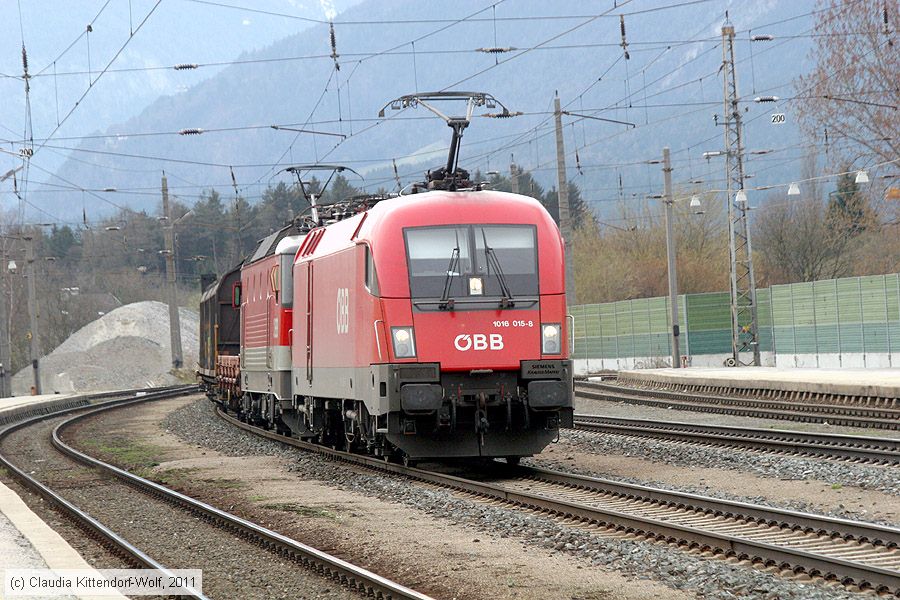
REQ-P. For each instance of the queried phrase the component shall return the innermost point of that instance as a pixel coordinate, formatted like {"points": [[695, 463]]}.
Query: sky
{"points": [[177, 31]]}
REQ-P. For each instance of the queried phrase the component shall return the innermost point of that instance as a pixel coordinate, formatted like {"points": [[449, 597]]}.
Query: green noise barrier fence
{"points": [[850, 316]]}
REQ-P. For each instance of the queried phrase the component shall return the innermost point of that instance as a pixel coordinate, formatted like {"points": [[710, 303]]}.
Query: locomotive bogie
{"points": [[431, 413]]}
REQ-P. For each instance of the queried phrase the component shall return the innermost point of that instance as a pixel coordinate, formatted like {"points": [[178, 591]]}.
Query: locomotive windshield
{"points": [[472, 262]]}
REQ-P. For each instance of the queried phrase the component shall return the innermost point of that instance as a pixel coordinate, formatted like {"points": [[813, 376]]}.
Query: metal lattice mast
{"points": [[744, 333]]}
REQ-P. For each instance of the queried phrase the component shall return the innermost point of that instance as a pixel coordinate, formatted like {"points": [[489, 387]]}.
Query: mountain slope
{"points": [[668, 89]]}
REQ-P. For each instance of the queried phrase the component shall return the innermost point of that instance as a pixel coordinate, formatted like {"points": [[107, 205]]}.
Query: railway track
{"points": [[351, 576], [849, 415], [860, 556], [857, 449]]}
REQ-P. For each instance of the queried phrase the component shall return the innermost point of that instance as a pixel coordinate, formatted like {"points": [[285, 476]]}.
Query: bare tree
{"points": [[797, 241], [625, 257], [854, 90], [812, 237]]}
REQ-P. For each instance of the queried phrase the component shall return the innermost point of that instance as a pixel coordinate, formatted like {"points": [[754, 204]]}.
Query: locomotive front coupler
{"points": [[445, 416], [481, 421]]}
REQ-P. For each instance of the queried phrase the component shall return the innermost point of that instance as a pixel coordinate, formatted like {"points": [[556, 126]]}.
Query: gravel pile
{"points": [[884, 479], [715, 579], [127, 347]]}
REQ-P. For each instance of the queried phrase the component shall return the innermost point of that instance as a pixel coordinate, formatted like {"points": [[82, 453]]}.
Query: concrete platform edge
{"points": [[53, 549]]}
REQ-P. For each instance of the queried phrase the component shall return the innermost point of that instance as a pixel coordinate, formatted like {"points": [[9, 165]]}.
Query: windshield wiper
{"points": [[491, 256], [446, 301]]}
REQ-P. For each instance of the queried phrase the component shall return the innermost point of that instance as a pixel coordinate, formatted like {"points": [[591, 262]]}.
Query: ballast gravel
{"points": [[881, 478], [198, 424], [233, 567]]}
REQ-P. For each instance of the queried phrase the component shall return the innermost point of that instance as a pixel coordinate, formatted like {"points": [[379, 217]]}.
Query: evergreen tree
{"points": [[60, 243], [208, 232], [339, 189], [848, 208], [279, 206], [578, 209]]}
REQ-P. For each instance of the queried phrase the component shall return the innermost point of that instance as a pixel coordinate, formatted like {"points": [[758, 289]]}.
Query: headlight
{"points": [[550, 338], [404, 342]]}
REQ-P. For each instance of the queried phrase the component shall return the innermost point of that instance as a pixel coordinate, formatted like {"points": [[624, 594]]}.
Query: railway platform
{"points": [[26, 540], [801, 384], [19, 402]]}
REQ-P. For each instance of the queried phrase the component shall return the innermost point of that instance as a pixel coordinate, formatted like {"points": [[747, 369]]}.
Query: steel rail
{"points": [[346, 573], [849, 415], [822, 445], [107, 536], [723, 543], [18, 413]]}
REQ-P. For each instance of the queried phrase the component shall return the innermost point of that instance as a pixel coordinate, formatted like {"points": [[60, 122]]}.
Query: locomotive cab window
{"points": [[371, 275], [286, 281], [472, 261]]}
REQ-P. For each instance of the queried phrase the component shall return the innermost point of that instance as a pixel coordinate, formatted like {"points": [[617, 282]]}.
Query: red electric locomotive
{"points": [[265, 304], [433, 325], [430, 325]]}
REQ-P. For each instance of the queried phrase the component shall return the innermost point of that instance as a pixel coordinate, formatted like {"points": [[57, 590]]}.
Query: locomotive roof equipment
{"points": [[449, 177], [312, 197]]}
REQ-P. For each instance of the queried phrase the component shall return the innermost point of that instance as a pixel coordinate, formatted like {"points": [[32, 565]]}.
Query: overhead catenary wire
{"points": [[315, 107], [99, 75], [433, 21], [784, 39], [651, 46], [575, 147], [526, 51], [621, 101], [595, 82], [83, 33]]}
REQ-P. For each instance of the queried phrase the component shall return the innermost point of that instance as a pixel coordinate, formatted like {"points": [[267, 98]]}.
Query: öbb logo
{"points": [[343, 310], [478, 341]]}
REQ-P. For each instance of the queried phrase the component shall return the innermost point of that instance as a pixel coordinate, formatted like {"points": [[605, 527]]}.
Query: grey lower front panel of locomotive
{"points": [[429, 413], [380, 385]]}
